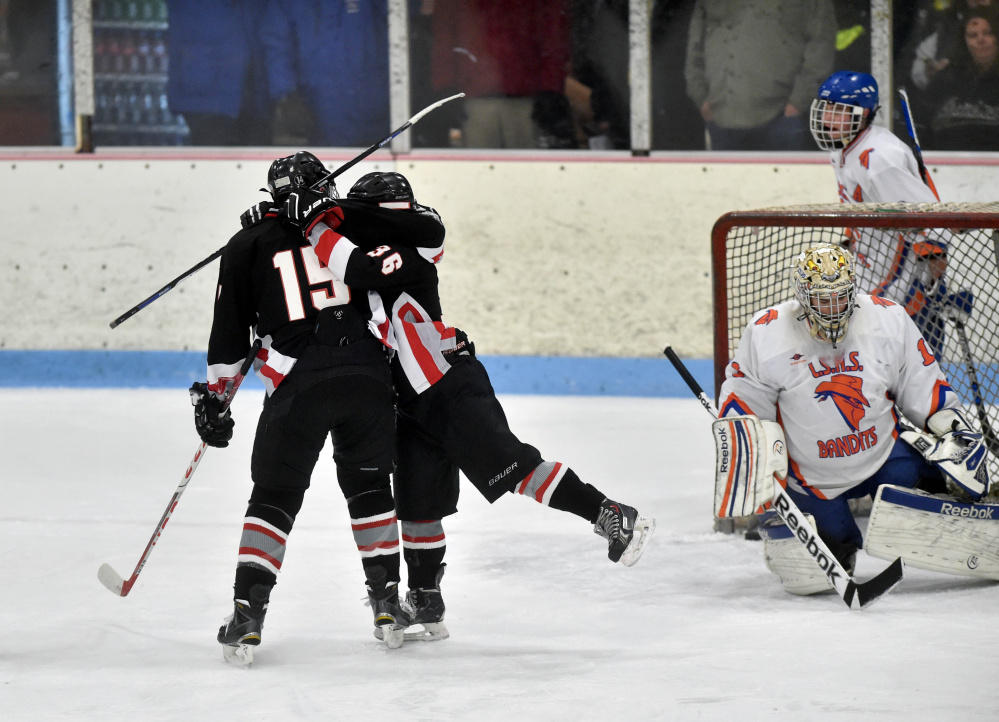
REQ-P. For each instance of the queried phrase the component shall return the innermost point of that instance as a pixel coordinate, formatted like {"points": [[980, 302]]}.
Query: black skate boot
{"points": [[390, 618], [242, 629], [425, 606], [626, 532]]}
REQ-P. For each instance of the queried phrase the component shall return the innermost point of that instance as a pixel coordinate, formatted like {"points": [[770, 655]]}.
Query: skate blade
{"points": [[393, 635], [238, 655], [644, 528], [432, 632]]}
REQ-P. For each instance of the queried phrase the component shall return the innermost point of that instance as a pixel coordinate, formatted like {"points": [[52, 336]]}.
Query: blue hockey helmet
{"points": [[846, 104]]}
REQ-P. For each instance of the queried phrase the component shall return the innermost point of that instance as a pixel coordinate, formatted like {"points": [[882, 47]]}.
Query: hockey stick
{"points": [[988, 434], [910, 126], [349, 164], [169, 287], [855, 595], [408, 124], [112, 579]]}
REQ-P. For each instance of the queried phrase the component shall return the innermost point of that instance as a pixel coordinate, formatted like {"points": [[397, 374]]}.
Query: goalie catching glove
{"points": [[213, 424], [955, 448]]}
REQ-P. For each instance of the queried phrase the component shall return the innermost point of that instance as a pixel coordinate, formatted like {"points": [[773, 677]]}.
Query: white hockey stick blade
{"points": [[238, 655], [861, 596], [112, 580], [645, 527]]}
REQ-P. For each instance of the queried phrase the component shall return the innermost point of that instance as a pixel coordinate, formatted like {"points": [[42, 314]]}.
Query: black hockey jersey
{"points": [[272, 287], [391, 253]]}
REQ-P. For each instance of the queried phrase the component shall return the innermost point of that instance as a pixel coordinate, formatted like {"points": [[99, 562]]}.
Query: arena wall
{"points": [[576, 255]]}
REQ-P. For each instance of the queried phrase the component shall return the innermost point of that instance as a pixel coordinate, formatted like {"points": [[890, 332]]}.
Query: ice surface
{"points": [[542, 625]]}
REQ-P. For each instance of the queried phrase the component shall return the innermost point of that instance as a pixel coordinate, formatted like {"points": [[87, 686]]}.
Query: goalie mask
{"points": [[823, 280], [390, 190], [295, 172], [846, 104]]}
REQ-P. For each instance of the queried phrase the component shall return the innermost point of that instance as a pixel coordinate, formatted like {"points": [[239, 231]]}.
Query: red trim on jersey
{"points": [[420, 352], [324, 248], [273, 374]]}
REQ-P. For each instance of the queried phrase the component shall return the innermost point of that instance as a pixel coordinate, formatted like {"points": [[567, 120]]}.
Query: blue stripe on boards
{"points": [[548, 375], [102, 369]]}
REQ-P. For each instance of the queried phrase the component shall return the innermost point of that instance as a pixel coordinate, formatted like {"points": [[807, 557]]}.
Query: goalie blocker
{"points": [[749, 452], [934, 532]]}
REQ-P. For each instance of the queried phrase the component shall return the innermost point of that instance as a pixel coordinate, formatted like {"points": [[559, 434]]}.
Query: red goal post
{"points": [[752, 253]]}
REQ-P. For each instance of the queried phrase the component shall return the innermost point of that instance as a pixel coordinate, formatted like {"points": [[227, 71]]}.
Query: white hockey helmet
{"points": [[824, 284], [846, 104]]}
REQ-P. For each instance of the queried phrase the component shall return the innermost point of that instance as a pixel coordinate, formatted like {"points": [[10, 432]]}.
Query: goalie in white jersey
{"points": [[873, 166], [836, 370]]}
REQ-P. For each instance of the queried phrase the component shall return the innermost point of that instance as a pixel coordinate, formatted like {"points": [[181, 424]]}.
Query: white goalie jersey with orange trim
{"points": [[839, 407]]}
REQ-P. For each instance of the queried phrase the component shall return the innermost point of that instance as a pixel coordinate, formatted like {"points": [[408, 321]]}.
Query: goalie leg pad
{"points": [[934, 532], [748, 453], [787, 558]]}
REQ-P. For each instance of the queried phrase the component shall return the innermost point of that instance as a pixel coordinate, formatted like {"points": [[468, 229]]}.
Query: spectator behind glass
{"points": [[962, 101], [511, 59], [753, 66], [216, 79], [334, 53], [602, 64], [937, 48], [28, 91]]}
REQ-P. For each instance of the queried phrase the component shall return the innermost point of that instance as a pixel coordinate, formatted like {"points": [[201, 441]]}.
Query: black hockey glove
{"points": [[254, 214], [214, 428], [306, 208], [462, 346]]}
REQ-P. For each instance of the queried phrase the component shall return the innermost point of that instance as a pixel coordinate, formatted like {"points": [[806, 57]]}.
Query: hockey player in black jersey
{"points": [[380, 239], [325, 373]]}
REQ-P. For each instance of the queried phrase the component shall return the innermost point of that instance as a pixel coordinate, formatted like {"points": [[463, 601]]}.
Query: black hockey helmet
{"points": [[382, 188], [302, 170]]}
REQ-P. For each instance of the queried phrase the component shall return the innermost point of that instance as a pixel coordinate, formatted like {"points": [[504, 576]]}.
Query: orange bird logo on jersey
{"points": [[847, 392], [766, 318]]}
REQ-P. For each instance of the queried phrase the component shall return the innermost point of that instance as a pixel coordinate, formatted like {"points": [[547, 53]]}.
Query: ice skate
{"points": [[425, 606], [626, 532], [241, 633], [390, 618]]}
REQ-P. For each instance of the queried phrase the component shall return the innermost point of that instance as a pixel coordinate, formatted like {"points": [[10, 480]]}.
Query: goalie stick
{"points": [[112, 579], [856, 595], [333, 174], [989, 434]]}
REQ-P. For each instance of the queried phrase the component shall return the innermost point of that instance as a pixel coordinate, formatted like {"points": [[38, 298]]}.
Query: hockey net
{"points": [[753, 251]]}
